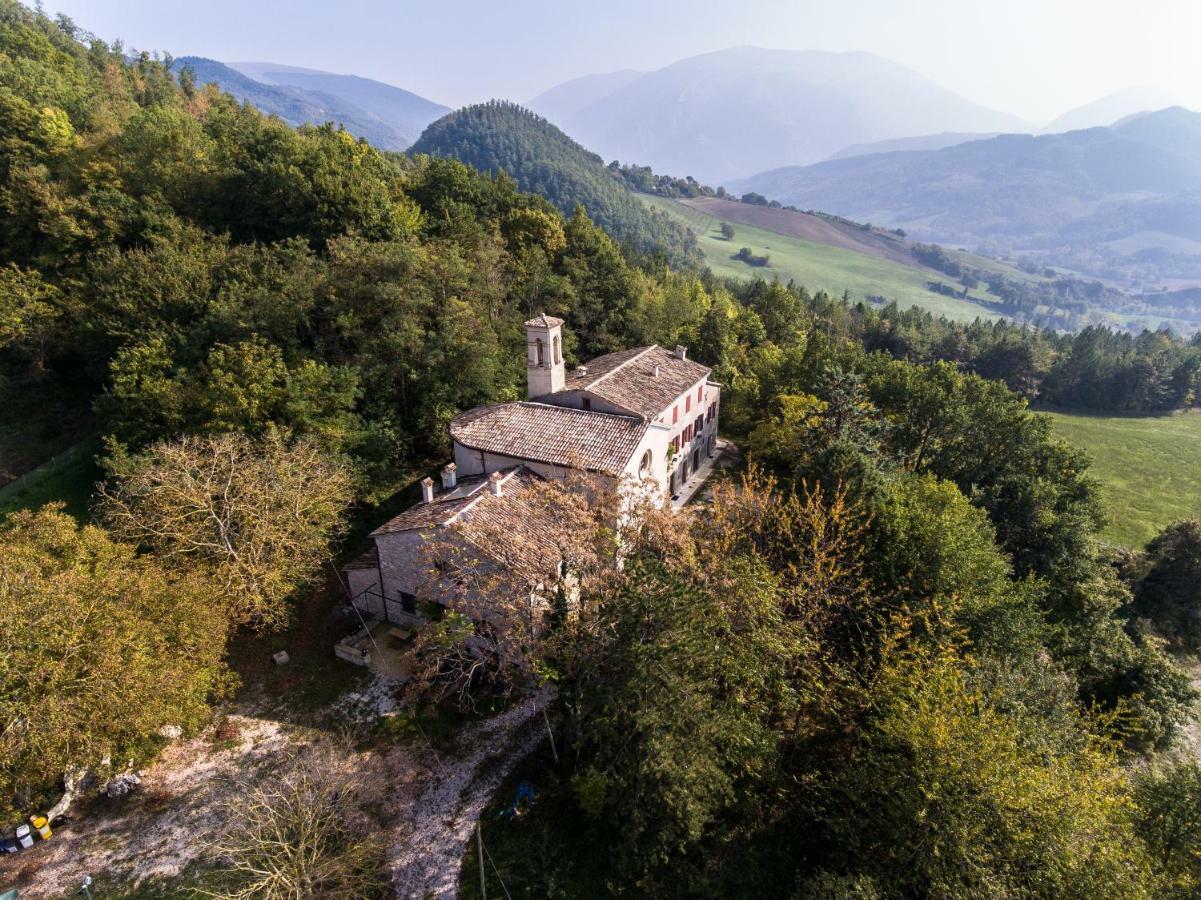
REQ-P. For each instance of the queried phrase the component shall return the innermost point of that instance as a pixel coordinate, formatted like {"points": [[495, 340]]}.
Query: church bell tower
{"points": [[544, 369]]}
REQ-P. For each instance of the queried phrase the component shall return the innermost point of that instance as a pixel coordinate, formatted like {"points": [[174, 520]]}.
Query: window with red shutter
{"points": [[675, 414], [700, 393], [688, 403]]}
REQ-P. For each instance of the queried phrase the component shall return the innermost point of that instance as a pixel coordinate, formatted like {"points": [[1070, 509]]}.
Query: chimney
{"points": [[681, 352], [581, 371], [494, 483], [450, 476], [655, 371], [427, 490]]}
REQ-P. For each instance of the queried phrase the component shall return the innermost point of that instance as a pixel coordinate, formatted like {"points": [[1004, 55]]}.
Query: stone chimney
{"points": [[681, 352], [450, 476], [581, 371], [427, 490], [494, 483], [655, 371]]}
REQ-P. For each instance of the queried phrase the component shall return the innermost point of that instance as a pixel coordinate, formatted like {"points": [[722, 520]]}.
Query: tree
{"points": [[256, 516], [1168, 591], [305, 830], [956, 791], [727, 231], [933, 548], [1169, 821], [676, 674], [99, 649]]}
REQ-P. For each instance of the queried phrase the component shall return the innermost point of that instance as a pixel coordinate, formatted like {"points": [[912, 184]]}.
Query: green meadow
{"points": [[68, 478], [816, 266], [1150, 468]]}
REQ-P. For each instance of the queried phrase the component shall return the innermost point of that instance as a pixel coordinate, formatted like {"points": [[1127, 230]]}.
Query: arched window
{"points": [[558, 352], [539, 353], [644, 467]]}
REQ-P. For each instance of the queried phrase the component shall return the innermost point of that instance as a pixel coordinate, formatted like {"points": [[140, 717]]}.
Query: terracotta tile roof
{"points": [[426, 515], [368, 560], [513, 529], [627, 379], [557, 435], [542, 320]]}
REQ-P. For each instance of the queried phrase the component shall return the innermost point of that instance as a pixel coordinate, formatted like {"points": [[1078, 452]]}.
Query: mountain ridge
{"points": [[727, 113], [366, 108], [1053, 193]]}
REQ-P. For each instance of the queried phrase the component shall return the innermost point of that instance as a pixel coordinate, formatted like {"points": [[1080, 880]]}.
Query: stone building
{"points": [[645, 417]]}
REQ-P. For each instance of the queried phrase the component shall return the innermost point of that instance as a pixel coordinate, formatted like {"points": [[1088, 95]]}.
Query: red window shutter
{"points": [[675, 414], [688, 403], [700, 393]]}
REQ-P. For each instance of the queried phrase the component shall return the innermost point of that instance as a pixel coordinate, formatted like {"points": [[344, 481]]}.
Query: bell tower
{"points": [[544, 369]]}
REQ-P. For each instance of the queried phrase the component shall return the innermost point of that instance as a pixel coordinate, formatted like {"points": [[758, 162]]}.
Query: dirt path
{"points": [[160, 830]]}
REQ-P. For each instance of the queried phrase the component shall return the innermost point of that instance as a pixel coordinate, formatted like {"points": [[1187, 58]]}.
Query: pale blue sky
{"points": [[1034, 58]]}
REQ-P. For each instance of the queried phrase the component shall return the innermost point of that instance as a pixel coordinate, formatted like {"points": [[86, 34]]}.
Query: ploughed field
{"points": [[1150, 468]]}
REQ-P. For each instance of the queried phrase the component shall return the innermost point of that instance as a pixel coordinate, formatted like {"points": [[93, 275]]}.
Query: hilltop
{"points": [[501, 136]]}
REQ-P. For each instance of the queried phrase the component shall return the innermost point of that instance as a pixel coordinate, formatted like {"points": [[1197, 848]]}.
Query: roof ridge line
{"points": [[617, 368], [583, 412]]}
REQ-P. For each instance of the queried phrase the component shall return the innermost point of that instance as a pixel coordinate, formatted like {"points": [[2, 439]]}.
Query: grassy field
{"points": [[816, 266], [1149, 468], [69, 477]]}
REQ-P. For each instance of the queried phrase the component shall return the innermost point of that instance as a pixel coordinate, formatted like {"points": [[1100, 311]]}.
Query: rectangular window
{"points": [[688, 403], [699, 426], [700, 393], [675, 414]]}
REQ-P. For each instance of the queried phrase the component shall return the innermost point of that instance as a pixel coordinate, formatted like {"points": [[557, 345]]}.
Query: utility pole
{"points": [[479, 846]]}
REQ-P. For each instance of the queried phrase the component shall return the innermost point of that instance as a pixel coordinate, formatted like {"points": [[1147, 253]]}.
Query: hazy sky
{"points": [[1034, 58]]}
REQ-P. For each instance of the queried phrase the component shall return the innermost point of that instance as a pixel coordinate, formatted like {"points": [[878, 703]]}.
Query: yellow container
{"points": [[42, 826]]}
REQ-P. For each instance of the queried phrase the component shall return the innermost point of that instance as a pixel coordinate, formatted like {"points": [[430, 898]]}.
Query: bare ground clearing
{"points": [[159, 834]]}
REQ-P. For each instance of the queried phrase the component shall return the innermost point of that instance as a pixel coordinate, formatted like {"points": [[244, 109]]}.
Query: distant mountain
{"points": [[727, 114], [561, 102], [1111, 108], [502, 136], [329, 98], [906, 144], [1119, 195], [403, 110]]}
